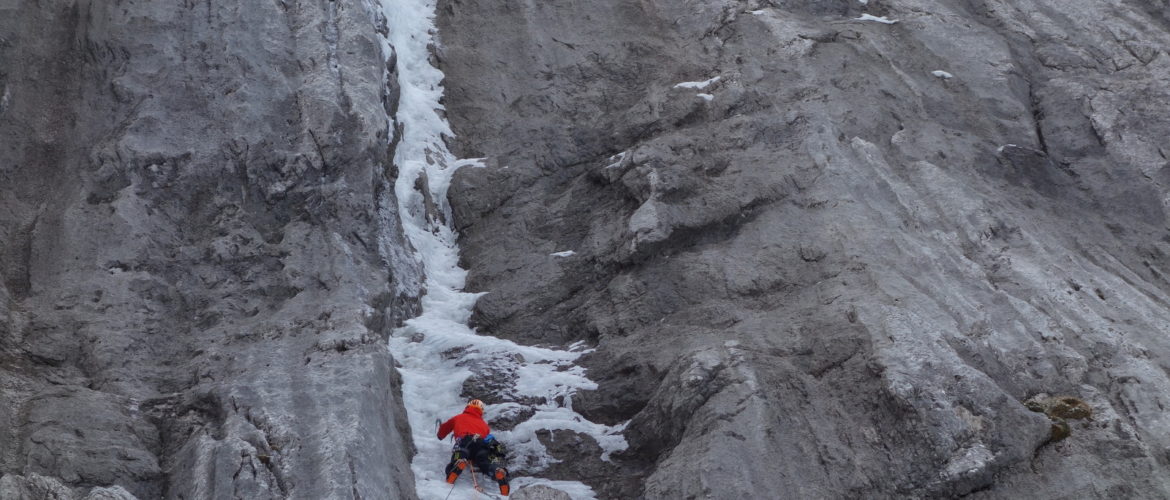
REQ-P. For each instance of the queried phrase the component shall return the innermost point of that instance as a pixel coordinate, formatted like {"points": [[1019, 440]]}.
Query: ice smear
{"points": [[697, 85], [705, 97], [757, 12], [608, 438], [864, 2], [942, 74], [616, 160], [566, 253], [580, 346], [433, 347], [869, 17], [4, 99]]}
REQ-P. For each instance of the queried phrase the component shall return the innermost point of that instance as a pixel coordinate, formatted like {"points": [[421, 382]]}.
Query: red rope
{"points": [[474, 481]]}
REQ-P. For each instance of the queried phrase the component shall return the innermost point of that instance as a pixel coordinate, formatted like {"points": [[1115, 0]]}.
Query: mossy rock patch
{"points": [[1060, 430], [1060, 409]]}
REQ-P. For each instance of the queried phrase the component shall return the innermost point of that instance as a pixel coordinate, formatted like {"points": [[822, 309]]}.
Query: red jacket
{"points": [[468, 422]]}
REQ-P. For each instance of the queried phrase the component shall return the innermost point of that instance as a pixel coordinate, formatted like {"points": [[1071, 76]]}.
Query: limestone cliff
{"points": [[830, 248], [200, 252], [822, 249]]}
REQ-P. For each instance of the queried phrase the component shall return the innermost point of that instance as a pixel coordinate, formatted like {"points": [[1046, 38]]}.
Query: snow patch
{"points": [[609, 438], [566, 253], [971, 461], [876, 19], [616, 160], [581, 346], [942, 74], [697, 85], [1000, 149], [705, 97], [864, 2], [757, 12]]}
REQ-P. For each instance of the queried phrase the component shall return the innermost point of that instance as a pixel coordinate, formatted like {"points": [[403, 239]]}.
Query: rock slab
{"points": [[539, 492]]}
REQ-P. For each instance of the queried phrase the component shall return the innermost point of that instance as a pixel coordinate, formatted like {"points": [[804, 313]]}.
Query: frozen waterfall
{"points": [[435, 348]]}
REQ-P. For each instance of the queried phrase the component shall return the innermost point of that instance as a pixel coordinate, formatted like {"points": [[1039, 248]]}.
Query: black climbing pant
{"points": [[479, 454]]}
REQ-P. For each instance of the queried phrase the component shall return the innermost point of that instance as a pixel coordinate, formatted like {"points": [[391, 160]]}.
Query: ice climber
{"points": [[474, 446]]}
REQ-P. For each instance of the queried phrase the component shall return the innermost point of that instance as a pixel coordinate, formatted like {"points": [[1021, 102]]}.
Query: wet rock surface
{"points": [[199, 253], [839, 261]]}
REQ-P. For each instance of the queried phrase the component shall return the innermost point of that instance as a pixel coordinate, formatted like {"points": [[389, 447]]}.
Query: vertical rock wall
{"points": [[200, 252], [839, 260]]}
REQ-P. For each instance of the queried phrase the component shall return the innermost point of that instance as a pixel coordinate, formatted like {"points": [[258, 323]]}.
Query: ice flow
{"points": [[435, 348]]}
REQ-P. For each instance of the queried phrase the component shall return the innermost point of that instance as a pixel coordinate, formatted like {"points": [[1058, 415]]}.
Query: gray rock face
{"points": [[38, 487], [200, 254], [539, 492], [846, 257], [841, 268]]}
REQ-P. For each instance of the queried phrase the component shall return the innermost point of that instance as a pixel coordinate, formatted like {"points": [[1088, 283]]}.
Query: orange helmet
{"points": [[476, 403]]}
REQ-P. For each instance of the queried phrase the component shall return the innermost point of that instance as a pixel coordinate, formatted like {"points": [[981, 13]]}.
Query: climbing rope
{"points": [[474, 480]]}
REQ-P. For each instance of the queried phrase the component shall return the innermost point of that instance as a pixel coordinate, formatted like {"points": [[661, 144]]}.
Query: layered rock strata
{"points": [[830, 248], [200, 252]]}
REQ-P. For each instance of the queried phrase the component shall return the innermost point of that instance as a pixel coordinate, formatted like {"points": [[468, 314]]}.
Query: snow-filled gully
{"points": [[435, 348]]}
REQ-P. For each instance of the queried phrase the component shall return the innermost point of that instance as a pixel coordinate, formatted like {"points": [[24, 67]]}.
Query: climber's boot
{"points": [[453, 474], [501, 476]]}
